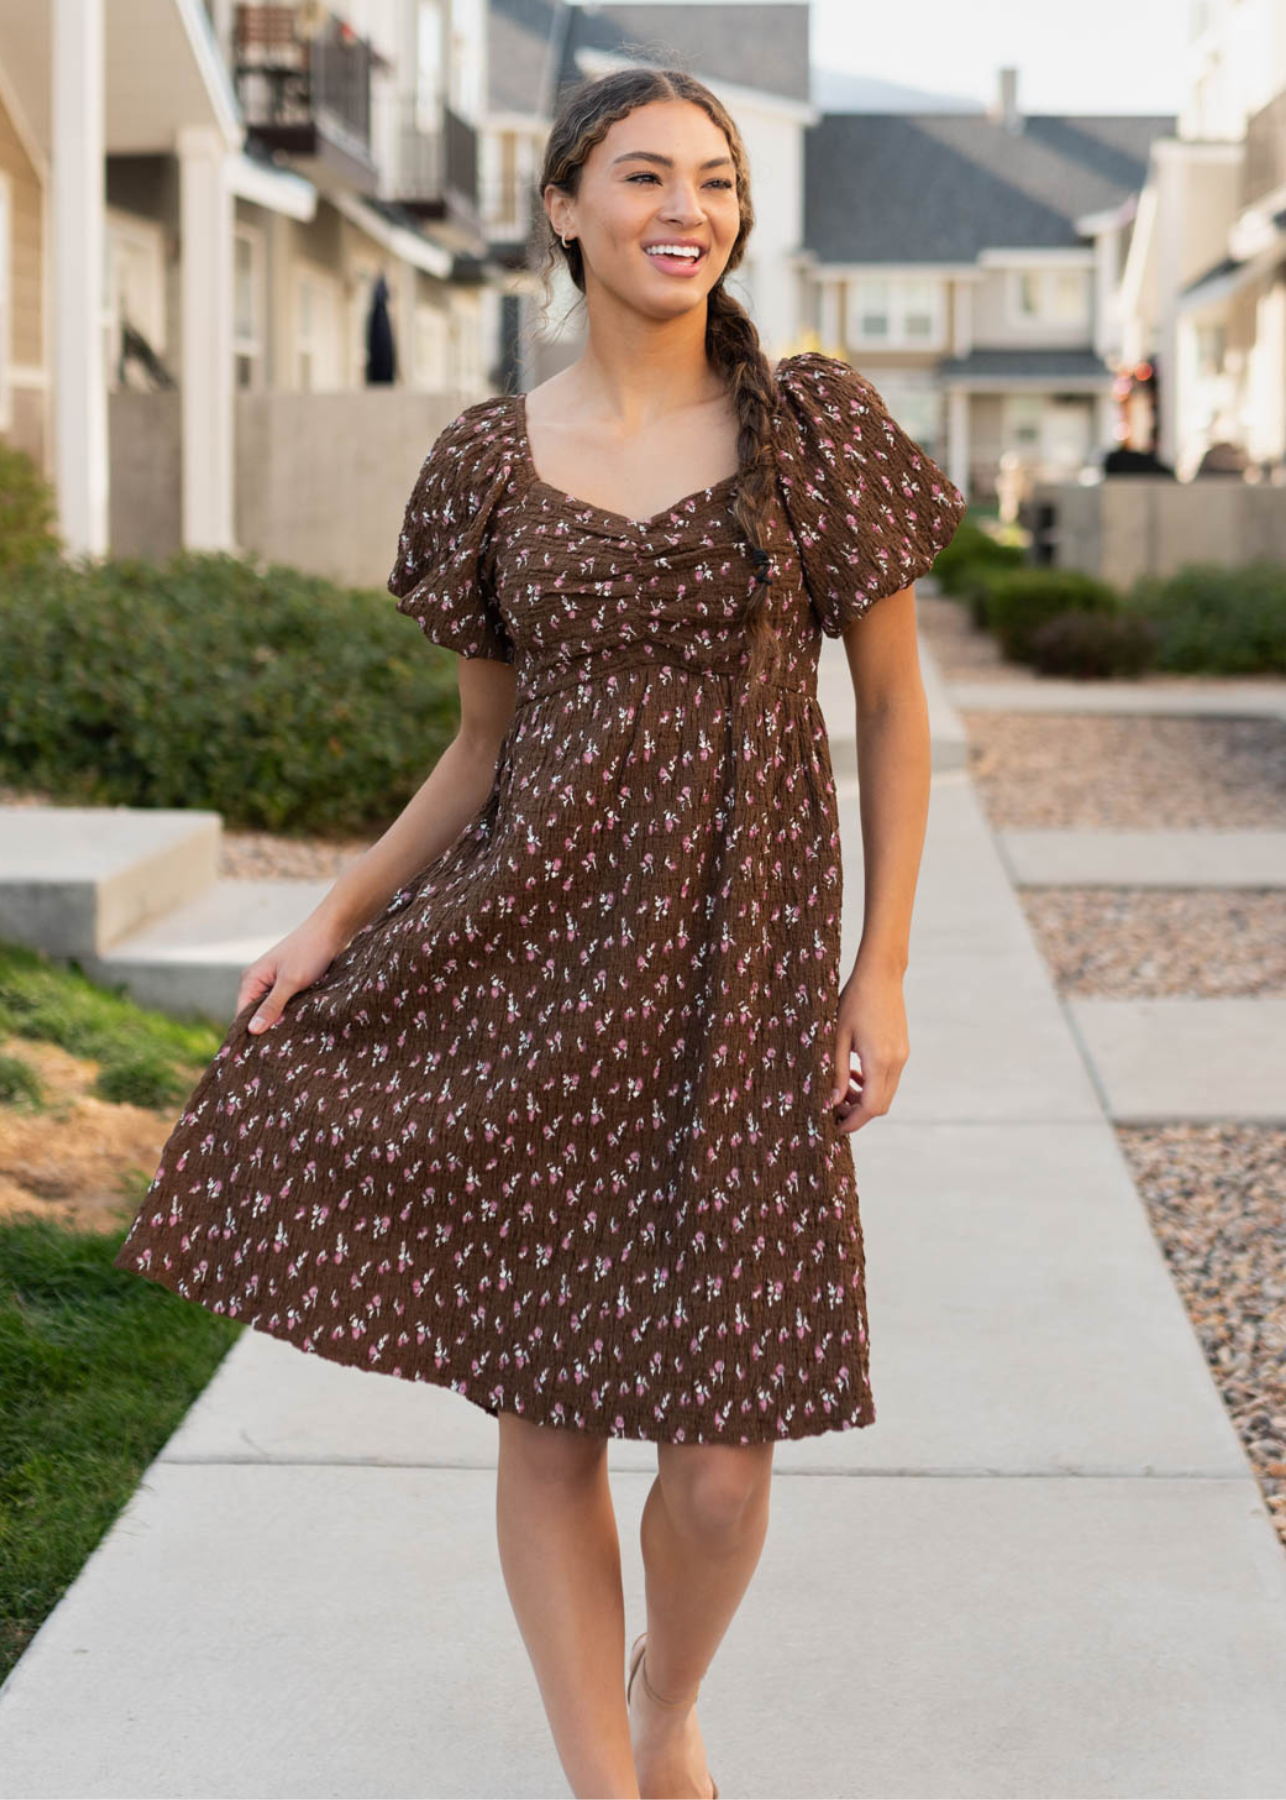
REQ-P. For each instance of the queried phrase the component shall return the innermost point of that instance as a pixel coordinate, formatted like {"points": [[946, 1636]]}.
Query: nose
{"points": [[682, 211]]}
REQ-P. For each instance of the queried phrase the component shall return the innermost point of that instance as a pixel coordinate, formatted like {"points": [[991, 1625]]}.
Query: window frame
{"points": [[899, 306]]}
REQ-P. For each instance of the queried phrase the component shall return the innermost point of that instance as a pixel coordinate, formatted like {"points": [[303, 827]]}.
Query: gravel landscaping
{"points": [[1146, 943], [1214, 1196], [1085, 771]]}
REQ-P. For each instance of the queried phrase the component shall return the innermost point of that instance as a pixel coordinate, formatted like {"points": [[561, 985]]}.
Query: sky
{"points": [[1082, 56], [1088, 56]]}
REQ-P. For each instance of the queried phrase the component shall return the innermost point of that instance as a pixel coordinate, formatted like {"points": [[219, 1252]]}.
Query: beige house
{"points": [[969, 262], [1203, 293]]}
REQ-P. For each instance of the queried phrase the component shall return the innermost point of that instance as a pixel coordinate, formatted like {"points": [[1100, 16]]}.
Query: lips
{"points": [[677, 265]]}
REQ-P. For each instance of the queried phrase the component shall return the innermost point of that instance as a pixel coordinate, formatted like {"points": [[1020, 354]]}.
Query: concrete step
{"points": [[1249, 696], [192, 960], [1162, 859], [1180, 1058], [75, 880]]}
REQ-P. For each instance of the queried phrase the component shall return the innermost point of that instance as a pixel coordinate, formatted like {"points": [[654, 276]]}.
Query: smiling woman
{"points": [[565, 1127]]}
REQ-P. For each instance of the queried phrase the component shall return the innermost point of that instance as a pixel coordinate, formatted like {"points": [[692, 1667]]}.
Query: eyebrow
{"points": [[712, 162]]}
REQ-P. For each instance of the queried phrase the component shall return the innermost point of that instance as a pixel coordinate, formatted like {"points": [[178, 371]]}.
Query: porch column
{"points": [[958, 438], [206, 219], [77, 201]]}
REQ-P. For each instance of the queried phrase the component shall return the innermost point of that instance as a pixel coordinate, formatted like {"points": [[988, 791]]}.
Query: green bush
{"points": [[27, 512], [972, 554], [1092, 646], [1218, 621], [276, 698], [1017, 603]]}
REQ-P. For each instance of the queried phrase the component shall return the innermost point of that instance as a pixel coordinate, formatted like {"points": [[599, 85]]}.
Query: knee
{"points": [[714, 1490], [550, 1455]]}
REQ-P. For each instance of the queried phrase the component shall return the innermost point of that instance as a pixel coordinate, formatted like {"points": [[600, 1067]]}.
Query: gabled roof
{"points": [[942, 187]]}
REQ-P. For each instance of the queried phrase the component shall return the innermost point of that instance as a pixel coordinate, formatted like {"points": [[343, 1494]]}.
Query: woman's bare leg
{"points": [[561, 1560], [703, 1528]]}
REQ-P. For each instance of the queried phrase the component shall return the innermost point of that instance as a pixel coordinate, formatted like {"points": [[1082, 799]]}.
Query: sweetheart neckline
{"points": [[606, 512]]}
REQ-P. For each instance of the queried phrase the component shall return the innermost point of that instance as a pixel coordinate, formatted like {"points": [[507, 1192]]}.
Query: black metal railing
{"points": [[291, 73], [437, 156]]}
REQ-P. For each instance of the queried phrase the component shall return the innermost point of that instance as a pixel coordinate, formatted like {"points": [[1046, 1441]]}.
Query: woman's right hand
{"points": [[294, 963]]}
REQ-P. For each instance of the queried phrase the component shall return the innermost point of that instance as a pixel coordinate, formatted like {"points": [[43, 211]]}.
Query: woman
{"points": [[550, 1101]]}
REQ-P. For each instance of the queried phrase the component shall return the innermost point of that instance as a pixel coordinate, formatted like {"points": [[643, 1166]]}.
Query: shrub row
{"points": [[276, 698], [1205, 619]]}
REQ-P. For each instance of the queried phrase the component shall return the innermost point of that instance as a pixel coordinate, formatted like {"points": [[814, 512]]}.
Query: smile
{"points": [[676, 262]]}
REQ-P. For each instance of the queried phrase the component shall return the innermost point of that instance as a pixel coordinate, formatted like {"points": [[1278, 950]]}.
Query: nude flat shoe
{"points": [[637, 1655]]}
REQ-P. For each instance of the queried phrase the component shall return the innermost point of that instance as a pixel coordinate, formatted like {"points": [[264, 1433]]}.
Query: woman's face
{"points": [[662, 175]]}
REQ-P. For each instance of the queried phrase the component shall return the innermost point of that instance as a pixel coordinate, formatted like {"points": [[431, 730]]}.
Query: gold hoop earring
{"points": [[562, 240]]}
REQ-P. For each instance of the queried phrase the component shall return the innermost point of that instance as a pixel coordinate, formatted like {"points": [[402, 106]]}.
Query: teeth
{"points": [[673, 250]]}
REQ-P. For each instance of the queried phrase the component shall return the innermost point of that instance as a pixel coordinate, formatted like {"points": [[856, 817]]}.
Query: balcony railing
{"points": [[437, 165], [296, 78]]}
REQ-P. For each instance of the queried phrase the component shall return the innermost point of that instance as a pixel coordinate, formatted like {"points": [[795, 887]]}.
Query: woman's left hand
{"points": [[871, 1023]]}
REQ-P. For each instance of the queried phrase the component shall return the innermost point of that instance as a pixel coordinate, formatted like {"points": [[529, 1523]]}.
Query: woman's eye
{"points": [[650, 175]]}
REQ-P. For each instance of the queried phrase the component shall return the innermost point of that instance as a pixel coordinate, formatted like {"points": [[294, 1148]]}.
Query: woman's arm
{"points": [[432, 819], [893, 757], [436, 814]]}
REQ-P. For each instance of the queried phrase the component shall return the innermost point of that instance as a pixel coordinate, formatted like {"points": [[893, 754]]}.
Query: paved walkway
{"points": [[1046, 1569], [1166, 696], [1226, 858]]}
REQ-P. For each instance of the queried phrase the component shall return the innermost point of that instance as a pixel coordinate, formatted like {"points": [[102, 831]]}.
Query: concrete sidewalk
{"points": [[1046, 1570]]}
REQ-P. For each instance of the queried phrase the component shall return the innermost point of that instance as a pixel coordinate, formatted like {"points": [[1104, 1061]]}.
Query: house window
{"points": [[428, 67], [248, 307], [432, 342], [919, 309], [1023, 415], [317, 331], [873, 300], [1212, 345], [1067, 296], [1049, 296], [133, 299], [468, 49], [915, 406], [898, 311]]}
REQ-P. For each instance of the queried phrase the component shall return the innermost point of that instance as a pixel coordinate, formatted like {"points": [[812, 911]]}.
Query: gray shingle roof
{"points": [[940, 187], [1041, 366], [520, 45], [761, 47]]}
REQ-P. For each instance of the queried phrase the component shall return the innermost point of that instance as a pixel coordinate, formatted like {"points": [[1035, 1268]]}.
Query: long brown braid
{"points": [[732, 342]]}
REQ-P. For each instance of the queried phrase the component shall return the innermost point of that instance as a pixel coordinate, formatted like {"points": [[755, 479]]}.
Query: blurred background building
{"points": [[254, 256]]}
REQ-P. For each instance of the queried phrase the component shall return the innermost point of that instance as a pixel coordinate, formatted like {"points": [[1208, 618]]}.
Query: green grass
{"points": [[97, 1368], [97, 1364], [147, 1057]]}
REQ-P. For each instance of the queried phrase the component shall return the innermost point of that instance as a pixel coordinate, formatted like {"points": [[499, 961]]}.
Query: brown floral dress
{"points": [[554, 1129]]}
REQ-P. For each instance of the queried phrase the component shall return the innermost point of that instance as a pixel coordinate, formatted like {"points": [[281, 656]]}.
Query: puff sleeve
{"points": [[869, 511], [441, 577]]}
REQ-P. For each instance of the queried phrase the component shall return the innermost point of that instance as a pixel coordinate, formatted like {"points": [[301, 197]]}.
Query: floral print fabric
{"points": [[553, 1130]]}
